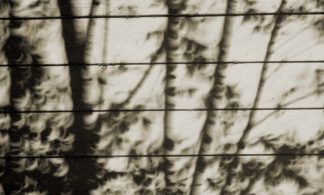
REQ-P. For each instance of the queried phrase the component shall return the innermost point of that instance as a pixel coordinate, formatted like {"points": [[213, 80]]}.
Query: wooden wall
{"points": [[162, 97]]}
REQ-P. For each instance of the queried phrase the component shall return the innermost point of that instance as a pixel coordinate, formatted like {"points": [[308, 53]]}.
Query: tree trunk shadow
{"points": [[82, 170]]}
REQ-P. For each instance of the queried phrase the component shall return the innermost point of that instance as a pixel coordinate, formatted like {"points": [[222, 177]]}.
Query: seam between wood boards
{"points": [[164, 155], [162, 63], [160, 15], [160, 110]]}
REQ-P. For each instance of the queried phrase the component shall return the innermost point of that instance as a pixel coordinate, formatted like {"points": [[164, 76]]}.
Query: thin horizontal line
{"points": [[160, 15], [162, 63], [157, 110], [159, 155]]}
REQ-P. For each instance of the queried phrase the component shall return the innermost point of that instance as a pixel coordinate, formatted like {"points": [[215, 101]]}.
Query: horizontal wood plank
{"points": [[141, 40], [153, 8], [294, 128], [141, 87]]}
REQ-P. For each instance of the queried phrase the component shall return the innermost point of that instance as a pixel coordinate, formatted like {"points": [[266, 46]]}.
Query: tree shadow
{"points": [[82, 170]]}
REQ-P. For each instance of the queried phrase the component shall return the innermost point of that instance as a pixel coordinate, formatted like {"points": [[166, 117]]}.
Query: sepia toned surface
{"points": [[161, 97]]}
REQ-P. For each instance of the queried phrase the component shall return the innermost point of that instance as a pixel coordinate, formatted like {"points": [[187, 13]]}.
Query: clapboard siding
{"points": [[161, 97]]}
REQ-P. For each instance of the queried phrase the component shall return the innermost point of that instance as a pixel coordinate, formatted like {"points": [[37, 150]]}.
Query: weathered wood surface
{"points": [[132, 100]]}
